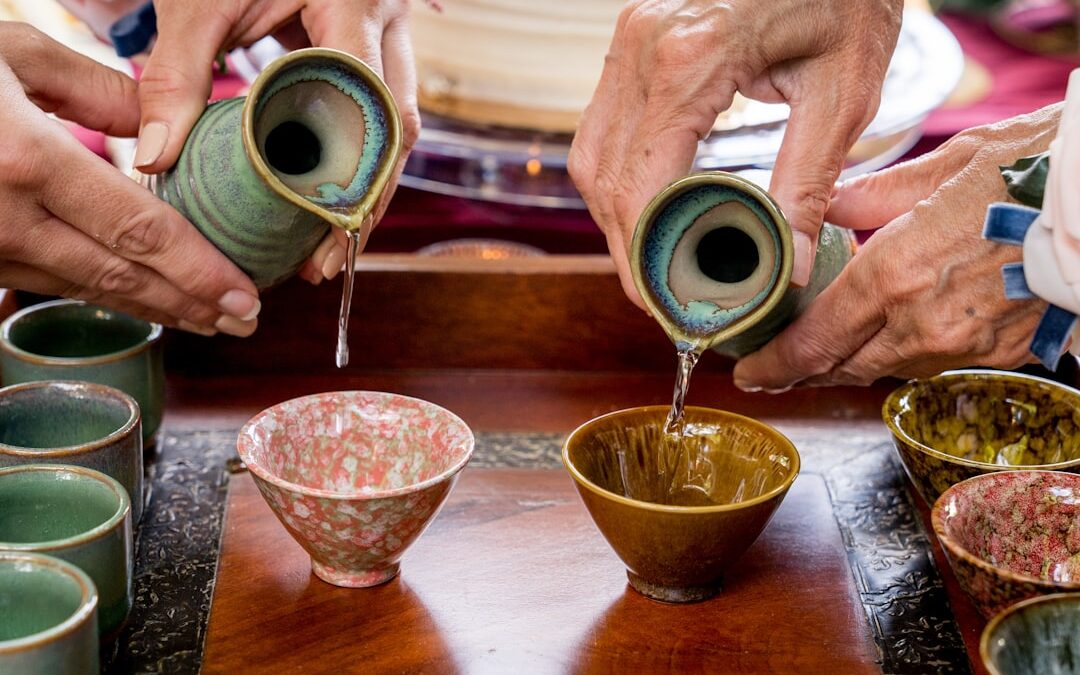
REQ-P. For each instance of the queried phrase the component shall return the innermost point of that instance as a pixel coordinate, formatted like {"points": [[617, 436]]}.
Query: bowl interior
{"points": [[59, 415], [50, 504], [997, 419], [1042, 636], [74, 330], [721, 459], [356, 442], [1027, 522], [34, 597]]}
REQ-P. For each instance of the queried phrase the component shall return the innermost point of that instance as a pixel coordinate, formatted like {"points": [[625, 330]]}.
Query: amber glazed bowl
{"points": [[355, 476], [1011, 535], [961, 424], [1039, 635], [675, 552]]}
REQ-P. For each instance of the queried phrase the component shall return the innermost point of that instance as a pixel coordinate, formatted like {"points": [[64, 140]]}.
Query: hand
{"points": [[176, 82], [925, 294], [675, 65], [72, 225]]}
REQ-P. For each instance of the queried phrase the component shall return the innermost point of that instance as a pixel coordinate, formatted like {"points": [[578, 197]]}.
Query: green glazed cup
{"points": [[712, 257], [48, 617], [77, 423], [263, 177], [71, 340], [78, 515]]}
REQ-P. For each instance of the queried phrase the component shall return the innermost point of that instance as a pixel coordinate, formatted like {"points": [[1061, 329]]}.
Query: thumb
{"points": [[876, 199], [176, 84]]}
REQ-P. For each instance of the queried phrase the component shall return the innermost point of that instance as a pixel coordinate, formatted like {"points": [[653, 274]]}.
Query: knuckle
{"points": [[21, 42], [198, 313], [139, 234], [624, 202], [23, 161], [630, 17], [118, 277], [812, 199], [164, 82], [808, 355], [848, 376], [410, 128], [579, 167], [77, 292], [606, 187], [964, 145]]}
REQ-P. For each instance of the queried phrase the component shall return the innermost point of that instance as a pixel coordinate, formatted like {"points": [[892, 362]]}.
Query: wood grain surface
{"points": [[513, 578], [560, 312]]}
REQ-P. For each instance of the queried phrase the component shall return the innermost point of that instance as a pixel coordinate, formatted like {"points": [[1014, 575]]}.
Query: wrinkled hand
{"points": [[176, 82], [675, 65], [72, 225], [925, 294]]}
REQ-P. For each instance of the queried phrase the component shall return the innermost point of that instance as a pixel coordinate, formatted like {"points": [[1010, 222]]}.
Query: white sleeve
{"points": [[1052, 244]]}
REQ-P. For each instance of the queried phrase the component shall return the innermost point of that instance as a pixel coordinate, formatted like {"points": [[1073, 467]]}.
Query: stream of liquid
{"points": [[342, 352], [682, 462]]}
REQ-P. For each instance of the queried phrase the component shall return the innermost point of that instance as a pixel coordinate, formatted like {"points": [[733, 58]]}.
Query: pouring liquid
{"points": [[683, 465], [341, 354]]}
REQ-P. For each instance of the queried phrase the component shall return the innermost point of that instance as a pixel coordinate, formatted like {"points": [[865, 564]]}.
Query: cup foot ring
{"points": [[673, 594], [354, 578]]}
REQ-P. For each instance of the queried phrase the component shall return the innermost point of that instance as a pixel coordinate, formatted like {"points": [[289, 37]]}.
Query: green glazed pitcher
{"points": [[712, 257], [263, 177]]}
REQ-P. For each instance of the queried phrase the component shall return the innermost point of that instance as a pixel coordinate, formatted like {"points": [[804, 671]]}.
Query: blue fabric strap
{"points": [[1051, 335], [1016, 287], [131, 34], [1008, 223]]}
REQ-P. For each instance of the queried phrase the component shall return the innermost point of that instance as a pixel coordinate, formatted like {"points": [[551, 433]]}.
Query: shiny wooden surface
{"points": [[513, 578], [557, 312], [519, 400]]}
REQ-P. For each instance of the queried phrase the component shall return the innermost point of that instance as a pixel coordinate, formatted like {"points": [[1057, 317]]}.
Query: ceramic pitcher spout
{"points": [[712, 257], [313, 145]]}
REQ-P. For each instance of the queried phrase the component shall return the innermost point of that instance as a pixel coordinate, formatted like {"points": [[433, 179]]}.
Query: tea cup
{"points": [[76, 423], [78, 515], [48, 625], [71, 340]]}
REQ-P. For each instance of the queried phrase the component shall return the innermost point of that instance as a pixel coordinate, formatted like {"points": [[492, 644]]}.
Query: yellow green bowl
{"points": [[961, 424]]}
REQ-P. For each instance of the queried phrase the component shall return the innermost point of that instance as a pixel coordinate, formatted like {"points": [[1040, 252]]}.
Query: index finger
{"points": [[97, 199], [352, 27], [820, 132]]}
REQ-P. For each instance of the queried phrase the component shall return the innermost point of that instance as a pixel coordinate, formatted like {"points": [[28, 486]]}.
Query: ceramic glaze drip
{"points": [[342, 352]]}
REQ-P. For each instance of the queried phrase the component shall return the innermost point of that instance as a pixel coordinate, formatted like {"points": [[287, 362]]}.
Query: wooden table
{"points": [[512, 576]]}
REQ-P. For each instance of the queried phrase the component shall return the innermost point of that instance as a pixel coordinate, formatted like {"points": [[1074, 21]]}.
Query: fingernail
{"points": [[800, 269], [152, 140], [749, 388], [334, 260], [205, 331], [230, 325], [240, 305], [783, 390]]}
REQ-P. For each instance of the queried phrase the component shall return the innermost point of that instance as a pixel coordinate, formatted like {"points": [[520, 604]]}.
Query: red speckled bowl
{"points": [[355, 476], [1011, 535]]}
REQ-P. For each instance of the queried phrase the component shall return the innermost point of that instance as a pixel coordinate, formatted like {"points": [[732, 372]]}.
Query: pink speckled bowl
{"points": [[1011, 535], [355, 476]]}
